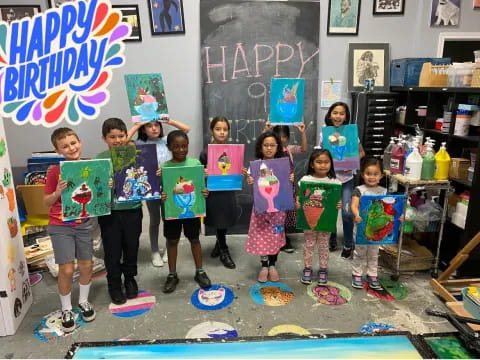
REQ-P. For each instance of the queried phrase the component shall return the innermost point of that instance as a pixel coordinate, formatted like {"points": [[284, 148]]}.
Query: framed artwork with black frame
{"points": [[58, 3], [388, 7], [9, 13], [343, 17], [166, 17], [368, 62], [131, 16]]}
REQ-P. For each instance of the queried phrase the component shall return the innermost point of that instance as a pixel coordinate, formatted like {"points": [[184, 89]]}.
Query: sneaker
{"points": [[131, 288], [333, 248], [373, 283], [68, 321], [157, 259], [306, 276], [322, 277], [202, 279], [357, 282], [263, 275], [88, 313], [346, 253], [273, 274], [170, 283]]}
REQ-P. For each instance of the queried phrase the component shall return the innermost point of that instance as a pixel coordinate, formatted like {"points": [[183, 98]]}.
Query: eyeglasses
{"points": [[270, 145]]}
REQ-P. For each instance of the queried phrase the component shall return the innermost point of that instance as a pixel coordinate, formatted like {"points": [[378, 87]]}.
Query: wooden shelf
{"points": [[461, 181], [437, 89]]}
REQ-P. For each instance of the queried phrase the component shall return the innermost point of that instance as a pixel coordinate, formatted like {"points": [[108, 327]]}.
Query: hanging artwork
{"points": [[331, 92], [225, 163], [146, 97], [183, 186], [380, 219], [342, 142], [286, 101], [318, 203], [166, 17], [87, 193], [135, 168], [445, 13], [272, 189]]}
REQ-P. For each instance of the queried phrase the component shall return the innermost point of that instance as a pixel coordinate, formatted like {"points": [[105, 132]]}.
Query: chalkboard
{"points": [[243, 45], [460, 50]]}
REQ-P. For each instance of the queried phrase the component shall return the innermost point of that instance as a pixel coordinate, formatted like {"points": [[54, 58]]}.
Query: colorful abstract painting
{"points": [[342, 142], [272, 189], [380, 219], [286, 101], [135, 168], [225, 163], [448, 347], [183, 186], [87, 193], [146, 97], [318, 203]]}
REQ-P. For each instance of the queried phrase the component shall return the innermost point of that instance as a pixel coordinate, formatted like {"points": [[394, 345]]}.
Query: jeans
{"points": [[347, 218]]}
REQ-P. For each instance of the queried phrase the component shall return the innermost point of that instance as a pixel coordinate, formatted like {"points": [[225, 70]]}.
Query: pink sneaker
{"points": [[273, 274], [263, 275]]}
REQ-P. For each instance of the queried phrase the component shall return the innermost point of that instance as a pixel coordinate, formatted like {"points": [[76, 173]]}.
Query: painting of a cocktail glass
{"points": [[342, 142], [272, 189], [87, 193], [183, 186], [286, 101], [225, 162]]}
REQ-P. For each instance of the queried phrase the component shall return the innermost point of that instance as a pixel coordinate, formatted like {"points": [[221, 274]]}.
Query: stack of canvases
{"points": [[36, 254]]}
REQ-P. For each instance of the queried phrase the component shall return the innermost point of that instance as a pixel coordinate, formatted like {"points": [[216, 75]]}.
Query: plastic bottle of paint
{"points": [[442, 163], [398, 158], [387, 154], [413, 164], [428, 165]]}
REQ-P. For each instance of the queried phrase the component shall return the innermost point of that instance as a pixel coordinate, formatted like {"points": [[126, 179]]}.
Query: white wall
{"points": [[177, 57]]}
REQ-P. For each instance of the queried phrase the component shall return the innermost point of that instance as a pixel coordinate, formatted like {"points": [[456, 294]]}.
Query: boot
{"points": [[215, 251], [226, 259]]}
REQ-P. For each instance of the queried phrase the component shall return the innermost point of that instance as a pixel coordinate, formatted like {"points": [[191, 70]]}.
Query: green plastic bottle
{"points": [[428, 165]]}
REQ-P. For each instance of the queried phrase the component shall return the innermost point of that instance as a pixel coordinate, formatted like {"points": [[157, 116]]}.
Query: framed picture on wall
{"points": [[131, 16], [166, 17], [445, 13], [9, 13], [368, 62], [58, 3], [388, 7], [343, 17]]}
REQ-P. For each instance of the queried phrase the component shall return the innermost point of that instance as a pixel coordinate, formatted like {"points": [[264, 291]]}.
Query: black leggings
{"points": [[268, 260], [222, 238]]}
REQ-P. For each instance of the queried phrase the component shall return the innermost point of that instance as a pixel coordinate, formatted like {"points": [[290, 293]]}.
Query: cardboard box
{"points": [[459, 168], [32, 196]]}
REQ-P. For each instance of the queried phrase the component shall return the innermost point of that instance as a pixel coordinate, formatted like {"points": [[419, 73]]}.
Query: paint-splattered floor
{"points": [[173, 316]]}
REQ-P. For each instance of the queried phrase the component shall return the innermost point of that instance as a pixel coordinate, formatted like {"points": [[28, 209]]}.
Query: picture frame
{"points": [[343, 17], [449, 17], [166, 20], [368, 61], [388, 7], [131, 16], [9, 13], [57, 3]]}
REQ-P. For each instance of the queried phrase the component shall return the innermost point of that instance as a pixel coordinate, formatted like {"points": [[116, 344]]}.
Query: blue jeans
{"points": [[347, 219]]}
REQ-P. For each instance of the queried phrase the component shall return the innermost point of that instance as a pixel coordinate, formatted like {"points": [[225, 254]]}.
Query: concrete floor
{"points": [[173, 316]]}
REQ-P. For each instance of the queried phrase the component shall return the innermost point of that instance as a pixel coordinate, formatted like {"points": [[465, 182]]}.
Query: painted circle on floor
{"points": [[288, 329], [211, 330], [394, 288], [134, 307], [330, 294], [271, 293], [213, 298], [35, 278], [373, 327], [49, 328]]}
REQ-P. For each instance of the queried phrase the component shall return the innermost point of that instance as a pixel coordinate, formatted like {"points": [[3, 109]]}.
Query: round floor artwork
{"points": [[35, 278], [213, 298], [134, 307], [394, 288], [288, 329], [374, 327], [49, 327], [330, 294], [271, 293], [211, 330]]}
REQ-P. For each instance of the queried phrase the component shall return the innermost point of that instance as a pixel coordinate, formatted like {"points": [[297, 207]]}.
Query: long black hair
{"points": [[142, 135], [282, 130], [218, 119], [329, 122], [259, 144], [316, 153]]}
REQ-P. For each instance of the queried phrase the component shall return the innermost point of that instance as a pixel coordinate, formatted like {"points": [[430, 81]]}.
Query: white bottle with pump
{"points": [[387, 154], [413, 164]]}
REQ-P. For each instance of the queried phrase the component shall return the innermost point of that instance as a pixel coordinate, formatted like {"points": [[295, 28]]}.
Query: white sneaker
{"points": [[157, 259], [165, 256]]}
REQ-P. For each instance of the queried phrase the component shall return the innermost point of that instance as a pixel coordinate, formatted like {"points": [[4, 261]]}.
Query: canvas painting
{"points": [[225, 163], [318, 209], [87, 193], [183, 186], [146, 97], [272, 189], [445, 13], [380, 219], [286, 101], [342, 142], [135, 168]]}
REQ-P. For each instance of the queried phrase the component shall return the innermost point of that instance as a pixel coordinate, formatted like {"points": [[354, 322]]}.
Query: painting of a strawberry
{"points": [[12, 226]]}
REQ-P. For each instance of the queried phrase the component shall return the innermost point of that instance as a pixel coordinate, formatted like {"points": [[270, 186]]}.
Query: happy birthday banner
{"points": [[59, 63]]}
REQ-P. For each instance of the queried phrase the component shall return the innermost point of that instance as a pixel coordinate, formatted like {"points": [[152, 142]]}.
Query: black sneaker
{"points": [[88, 313], [68, 321], [226, 259], [117, 296], [131, 288], [215, 251], [202, 279], [171, 283], [333, 248], [347, 253]]}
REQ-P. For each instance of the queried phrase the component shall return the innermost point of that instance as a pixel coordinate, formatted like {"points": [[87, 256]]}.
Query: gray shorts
{"points": [[72, 242]]}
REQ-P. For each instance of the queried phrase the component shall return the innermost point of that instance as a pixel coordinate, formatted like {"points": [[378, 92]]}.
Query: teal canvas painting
{"points": [[286, 101], [342, 142], [87, 193]]}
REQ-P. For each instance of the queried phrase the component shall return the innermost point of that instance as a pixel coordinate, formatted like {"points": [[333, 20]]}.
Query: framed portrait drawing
{"points": [[368, 62], [17, 12], [343, 17], [131, 16], [388, 7], [166, 17], [58, 3]]}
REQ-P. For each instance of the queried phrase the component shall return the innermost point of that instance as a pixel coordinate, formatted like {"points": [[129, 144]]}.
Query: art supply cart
{"points": [[410, 186]]}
